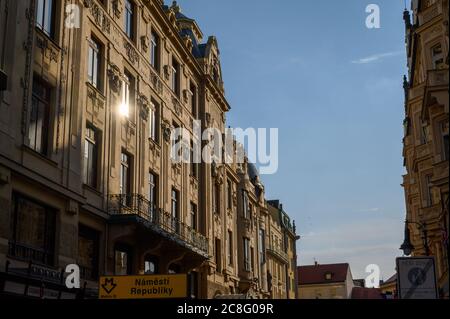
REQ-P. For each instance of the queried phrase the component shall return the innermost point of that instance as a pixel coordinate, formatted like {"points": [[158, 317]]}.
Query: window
{"points": [[193, 284], [194, 164], [328, 276], [123, 260], [154, 51], [175, 213], [127, 107], [44, 16], [88, 252], [247, 260], [94, 60], [151, 265], [129, 19], [152, 194], [193, 216], [437, 57], [230, 248], [218, 255], [229, 195], [125, 178], [446, 147], [153, 122], [175, 84], [428, 192], [193, 91], [39, 117], [245, 204], [252, 258], [262, 246], [216, 198], [90, 157], [33, 231]]}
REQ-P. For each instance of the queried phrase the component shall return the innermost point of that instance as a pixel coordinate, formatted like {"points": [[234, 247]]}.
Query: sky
{"points": [[333, 88]]}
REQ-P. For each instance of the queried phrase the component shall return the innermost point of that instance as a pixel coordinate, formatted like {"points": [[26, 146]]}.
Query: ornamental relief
{"points": [[99, 16], [131, 52], [114, 76]]}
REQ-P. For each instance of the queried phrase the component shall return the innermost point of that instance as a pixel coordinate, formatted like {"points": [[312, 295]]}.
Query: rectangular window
{"points": [[262, 246], [193, 216], [152, 122], [127, 107], [446, 147], [123, 260], [175, 83], [194, 165], [175, 209], [94, 62], [428, 193], [230, 248], [152, 194], [193, 91], [245, 204], [252, 258], [88, 252], [218, 255], [229, 194], [247, 260], [44, 16], [33, 231], [125, 178], [90, 157], [154, 51], [437, 57], [39, 116], [129, 19], [216, 198]]}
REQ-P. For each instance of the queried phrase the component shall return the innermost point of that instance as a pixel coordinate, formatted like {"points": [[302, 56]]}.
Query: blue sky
{"points": [[334, 90]]}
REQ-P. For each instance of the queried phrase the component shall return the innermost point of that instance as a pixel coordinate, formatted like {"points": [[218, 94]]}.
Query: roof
{"points": [[391, 279], [366, 293], [316, 274]]}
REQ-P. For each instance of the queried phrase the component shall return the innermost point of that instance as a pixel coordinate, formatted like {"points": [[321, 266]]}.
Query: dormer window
{"points": [[328, 276]]}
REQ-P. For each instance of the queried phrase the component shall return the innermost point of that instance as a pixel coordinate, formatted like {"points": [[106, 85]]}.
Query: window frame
{"points": [[44, 142], [91, 164], [42, 17]]}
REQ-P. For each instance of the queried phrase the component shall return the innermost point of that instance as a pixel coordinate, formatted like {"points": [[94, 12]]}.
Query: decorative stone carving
{"points": [[118, 7], [47, 49], [177, 106], [156, 82], [100, 16], [166, 72], [186, 94], [114, 78], [144, 106], [97, 100], [132, 54], [145, 43], [166, 131], [88, 3]]}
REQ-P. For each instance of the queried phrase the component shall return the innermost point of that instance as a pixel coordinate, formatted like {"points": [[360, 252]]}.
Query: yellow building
{"points": [[329, 281], [426, 139], [86, 173]]}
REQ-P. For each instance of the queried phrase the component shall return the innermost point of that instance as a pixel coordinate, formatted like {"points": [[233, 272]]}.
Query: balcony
{"points": [[278, 252], [27, 253], [140, 210]]}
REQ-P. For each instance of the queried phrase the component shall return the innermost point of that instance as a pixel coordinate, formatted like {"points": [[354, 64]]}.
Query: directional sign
{"points": [[143, 287], [416, 278]]}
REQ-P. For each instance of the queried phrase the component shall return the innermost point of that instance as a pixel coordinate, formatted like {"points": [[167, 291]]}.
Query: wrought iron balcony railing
{"points": [[138, 205]]}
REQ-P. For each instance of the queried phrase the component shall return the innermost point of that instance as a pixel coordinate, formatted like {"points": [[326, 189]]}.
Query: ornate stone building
{"points": [[426, 140], [94, 91]]}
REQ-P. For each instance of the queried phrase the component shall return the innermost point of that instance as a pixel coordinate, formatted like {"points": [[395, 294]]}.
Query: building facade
{"points": [[328, 281], [94, 93], [426, 139]]}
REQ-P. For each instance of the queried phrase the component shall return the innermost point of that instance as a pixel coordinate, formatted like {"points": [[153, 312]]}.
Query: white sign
{"points": [[416, 278]]}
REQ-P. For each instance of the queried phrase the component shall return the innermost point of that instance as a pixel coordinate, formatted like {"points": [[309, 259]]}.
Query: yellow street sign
{"points": [[143, 287]]}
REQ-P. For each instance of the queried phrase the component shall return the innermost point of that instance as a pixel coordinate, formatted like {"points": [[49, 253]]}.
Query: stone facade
{"points": [[426, 147], [86, 174]]}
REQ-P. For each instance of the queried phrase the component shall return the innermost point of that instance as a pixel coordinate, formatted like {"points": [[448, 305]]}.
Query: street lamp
{"points": [[407, 246]]}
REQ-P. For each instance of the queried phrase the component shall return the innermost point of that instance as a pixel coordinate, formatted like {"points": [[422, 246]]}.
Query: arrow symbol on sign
{"points": [[109, 285]]}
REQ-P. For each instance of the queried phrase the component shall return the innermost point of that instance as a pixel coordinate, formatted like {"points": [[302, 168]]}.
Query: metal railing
{"points": [[138, 205], [34, 254]]}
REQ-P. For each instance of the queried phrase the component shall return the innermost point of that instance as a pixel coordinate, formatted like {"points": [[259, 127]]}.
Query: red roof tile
{"points": [[316, 274]]}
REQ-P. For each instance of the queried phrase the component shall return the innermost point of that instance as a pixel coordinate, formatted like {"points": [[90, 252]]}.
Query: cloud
{"points": [[377, 57], [370, 210]]}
